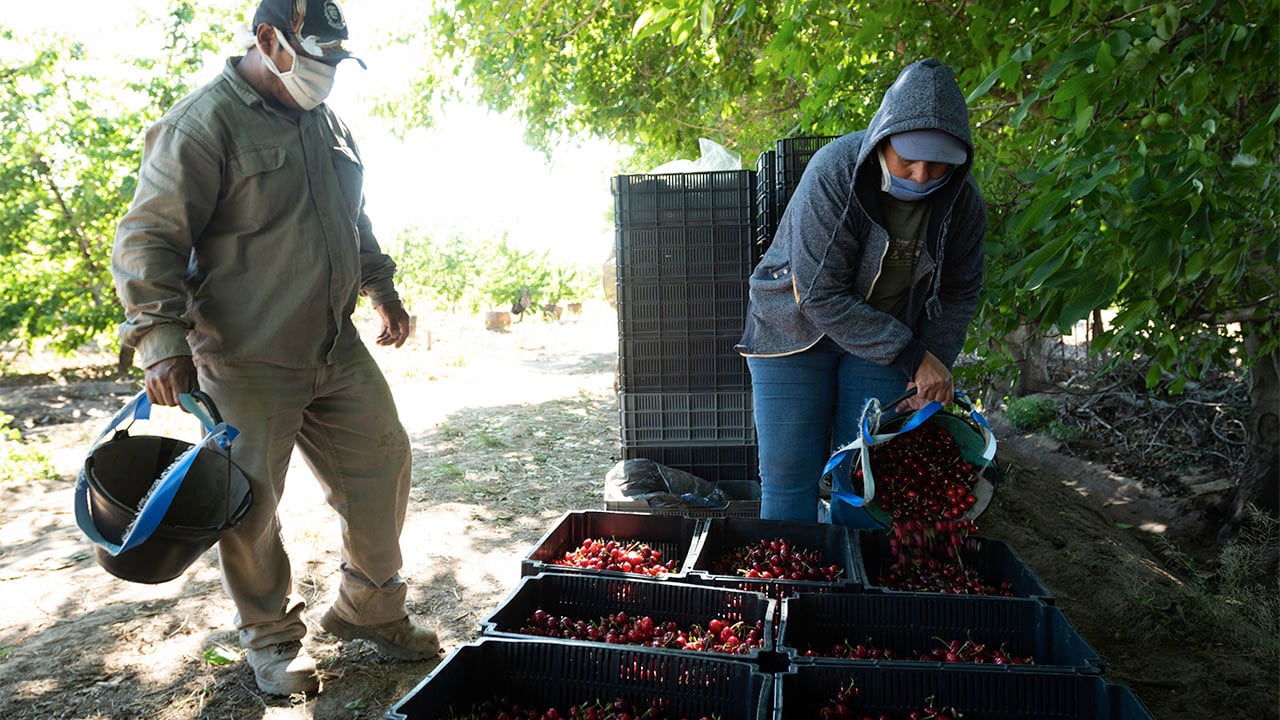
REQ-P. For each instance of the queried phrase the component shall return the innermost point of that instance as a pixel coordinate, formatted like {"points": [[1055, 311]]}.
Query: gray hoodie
{"points": [[826, 255]]}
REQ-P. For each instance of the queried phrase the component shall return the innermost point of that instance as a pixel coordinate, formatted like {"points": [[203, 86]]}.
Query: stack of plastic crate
{"points": [[685, 247], [778, 172], [766, 202]]}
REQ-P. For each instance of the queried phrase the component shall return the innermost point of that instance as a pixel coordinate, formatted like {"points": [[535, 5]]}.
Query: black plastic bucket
{"points": [[213, 497]]}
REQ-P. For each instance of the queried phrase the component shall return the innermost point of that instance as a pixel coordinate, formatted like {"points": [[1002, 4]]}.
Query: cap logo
{"points": [[333, 14]]}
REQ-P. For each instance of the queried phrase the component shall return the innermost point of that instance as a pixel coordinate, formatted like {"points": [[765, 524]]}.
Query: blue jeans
{"points": [[806, 405]]}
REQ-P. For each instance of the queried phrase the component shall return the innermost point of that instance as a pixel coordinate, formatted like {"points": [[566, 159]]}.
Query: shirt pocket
{"points": [[350, 172], [258, 187]]}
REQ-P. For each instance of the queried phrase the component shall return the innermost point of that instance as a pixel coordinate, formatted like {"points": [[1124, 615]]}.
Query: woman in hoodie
{"points": [[869, 285]]}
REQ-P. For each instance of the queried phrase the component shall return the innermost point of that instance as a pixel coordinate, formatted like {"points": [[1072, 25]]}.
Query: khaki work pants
{"points": [[343, 420]]}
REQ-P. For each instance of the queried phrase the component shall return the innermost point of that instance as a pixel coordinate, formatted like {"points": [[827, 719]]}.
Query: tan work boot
{"points": [[284, 669], [401, 639]]}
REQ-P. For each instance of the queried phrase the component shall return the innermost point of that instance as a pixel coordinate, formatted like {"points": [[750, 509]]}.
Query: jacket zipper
{"points": [[879, 271]]}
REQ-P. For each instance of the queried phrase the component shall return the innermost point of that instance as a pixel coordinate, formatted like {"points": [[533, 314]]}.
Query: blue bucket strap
{"points": [[138, 408], [920, 416], [189, 403], [988, 435], [851, 498], [162, 492]]}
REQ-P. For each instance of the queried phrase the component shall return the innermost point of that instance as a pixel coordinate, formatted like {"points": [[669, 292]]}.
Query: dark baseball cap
{"points": [[318, 26]]}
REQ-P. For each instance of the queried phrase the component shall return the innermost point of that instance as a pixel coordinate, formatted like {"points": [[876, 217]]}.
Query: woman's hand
{"points": [[932, 383]]}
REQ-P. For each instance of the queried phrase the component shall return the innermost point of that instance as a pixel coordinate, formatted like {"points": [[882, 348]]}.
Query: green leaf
{"points": [[1084, 114], [1196, 264], [1225, 264], [1016, 119], [1119, 42], [1087, 187], [1022, 55], [1064, 60], [706, 17], [1045, 262], [1086, 298], [1079, 84], [1056, 7], [1105, 61], [643, 21], [219, 655], [1041, 210], [1153, 376]]}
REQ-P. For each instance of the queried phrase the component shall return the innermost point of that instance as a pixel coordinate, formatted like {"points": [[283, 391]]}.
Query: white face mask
{"points": [[309, 82]]}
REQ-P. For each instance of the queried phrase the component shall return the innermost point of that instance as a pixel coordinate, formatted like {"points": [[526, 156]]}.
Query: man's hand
{"points": [[932, 382], [169, 378], [395, 323]]}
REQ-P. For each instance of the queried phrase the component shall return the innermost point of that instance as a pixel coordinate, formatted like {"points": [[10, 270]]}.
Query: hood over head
{"points": [[925, 96]]}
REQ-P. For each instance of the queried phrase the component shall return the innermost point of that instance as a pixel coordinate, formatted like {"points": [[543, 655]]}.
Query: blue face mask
{"points": [[908, 190]]}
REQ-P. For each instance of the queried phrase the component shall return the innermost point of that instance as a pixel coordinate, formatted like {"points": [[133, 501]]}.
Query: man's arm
{"points": [[177, 191]]}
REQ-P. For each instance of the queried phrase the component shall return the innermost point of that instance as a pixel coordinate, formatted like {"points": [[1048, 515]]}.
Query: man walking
{"points": [[239, 265]]}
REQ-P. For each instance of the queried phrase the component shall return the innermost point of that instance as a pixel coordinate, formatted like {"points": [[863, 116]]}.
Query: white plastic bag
{"points": [[714, 157]]}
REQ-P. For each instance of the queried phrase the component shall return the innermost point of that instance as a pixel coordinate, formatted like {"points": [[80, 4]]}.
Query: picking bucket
{"points": [[856, 506], [152, 505]]}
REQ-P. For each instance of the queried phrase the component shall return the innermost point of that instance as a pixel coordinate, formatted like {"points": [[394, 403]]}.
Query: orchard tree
{"points": [[1127, 149], [70, 146]]}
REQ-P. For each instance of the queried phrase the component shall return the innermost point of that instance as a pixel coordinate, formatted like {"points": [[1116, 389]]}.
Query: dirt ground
{"points": [[510, 430]]}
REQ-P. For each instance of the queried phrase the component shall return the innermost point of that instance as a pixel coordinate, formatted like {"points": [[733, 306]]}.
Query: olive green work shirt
{"points": [[247, 239]]}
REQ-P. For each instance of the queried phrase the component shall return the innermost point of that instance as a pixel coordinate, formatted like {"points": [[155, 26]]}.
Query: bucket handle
{"points": [[165, 488], [866, 439]]}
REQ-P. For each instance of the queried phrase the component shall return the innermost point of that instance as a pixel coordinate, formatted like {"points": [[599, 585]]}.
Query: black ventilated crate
{"points": [[590, 598], [975, 691], [673, 536], [742, 496], [793, 156], [711, 462], [677, 254], [766, 202], [541, 675], [711, 417], [994, 560], [684, 199], [715, 309], [912, 624], [721, 536], [684, 364]]}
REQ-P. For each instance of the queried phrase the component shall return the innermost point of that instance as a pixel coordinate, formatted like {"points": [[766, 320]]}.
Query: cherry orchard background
{"points": [[470, 175]]}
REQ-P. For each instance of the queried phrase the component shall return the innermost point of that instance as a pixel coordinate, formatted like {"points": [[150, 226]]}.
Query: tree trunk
{"points": [[125, 360], [1030, 354], [1259, 484]]}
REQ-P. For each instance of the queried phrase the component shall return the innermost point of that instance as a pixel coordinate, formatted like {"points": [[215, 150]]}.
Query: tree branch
{"points": [[44, 171], [581, 23]]}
